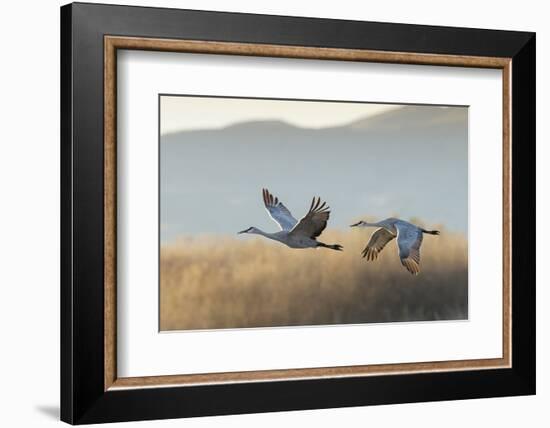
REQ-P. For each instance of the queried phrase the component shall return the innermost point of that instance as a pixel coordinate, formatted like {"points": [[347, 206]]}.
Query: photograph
{"points": [[291, 212]]}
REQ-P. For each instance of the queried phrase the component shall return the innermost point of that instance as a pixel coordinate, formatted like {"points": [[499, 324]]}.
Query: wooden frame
{"points": [[513, 53]]}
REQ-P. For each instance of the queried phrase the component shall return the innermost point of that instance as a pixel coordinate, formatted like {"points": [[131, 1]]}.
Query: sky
{"points": [[366, 160], [192, 113]]}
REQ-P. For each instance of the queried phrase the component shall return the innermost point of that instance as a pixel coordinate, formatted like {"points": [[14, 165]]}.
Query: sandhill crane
{"points": [[293, 233], [409, 239]]}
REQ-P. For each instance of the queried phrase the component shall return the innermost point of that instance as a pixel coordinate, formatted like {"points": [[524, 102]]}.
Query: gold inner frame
{"points": [[112, 43]]}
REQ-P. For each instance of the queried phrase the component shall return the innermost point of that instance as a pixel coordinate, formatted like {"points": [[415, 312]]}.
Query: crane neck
{"points": [[274, 236], [388, 225], [257, 231], [376, 224]]}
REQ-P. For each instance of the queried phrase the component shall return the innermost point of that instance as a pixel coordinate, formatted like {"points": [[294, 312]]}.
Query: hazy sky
{"points": [[410, 161], [189, 113]]}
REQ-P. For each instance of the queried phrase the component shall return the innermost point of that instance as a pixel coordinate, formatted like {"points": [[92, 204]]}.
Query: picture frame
{"points": [[91, 391]]}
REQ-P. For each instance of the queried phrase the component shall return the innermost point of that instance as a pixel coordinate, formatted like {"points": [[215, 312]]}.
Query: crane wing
{"points": [[377, 242], [278, 212], [314, 222], [409, 239]]}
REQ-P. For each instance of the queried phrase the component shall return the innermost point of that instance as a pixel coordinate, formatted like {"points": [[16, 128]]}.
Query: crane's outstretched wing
{"points": [[278, 212], [377, 242], [314, 222], [409, 239]]}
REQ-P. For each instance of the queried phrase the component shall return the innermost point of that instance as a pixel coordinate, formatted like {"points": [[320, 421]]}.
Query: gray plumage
{"points": [[293, 233], [409, 239]]}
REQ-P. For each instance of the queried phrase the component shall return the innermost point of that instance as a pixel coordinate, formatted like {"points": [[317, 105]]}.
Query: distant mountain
{"points": [[411, 161], [261, 125], [408, 119]]}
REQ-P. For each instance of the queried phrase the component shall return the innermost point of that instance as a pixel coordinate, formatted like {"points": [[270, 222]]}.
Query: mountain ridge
{"points": [[417, 167], [389, 119]]}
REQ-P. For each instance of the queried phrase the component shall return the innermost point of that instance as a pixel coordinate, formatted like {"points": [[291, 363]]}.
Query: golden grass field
{"points": [[248, 281]]}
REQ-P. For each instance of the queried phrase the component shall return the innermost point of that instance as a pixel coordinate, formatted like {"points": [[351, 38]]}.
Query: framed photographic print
{"points": [[264, 213]]}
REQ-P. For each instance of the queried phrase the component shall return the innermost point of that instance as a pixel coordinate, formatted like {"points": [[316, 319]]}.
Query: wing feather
{"points": [[315, 221], [277, 211], [409, 239], [377, 242]]}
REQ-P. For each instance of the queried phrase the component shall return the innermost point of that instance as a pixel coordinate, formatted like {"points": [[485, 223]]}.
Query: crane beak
{"points": [[355, 224], [243, 231]]}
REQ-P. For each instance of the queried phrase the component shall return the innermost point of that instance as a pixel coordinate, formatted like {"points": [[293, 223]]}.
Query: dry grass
{"points": [[235, 282]]}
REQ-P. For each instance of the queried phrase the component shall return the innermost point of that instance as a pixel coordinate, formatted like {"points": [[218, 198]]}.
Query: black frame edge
{"points": [[298, 30], [66, 130], [524, 213]]}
